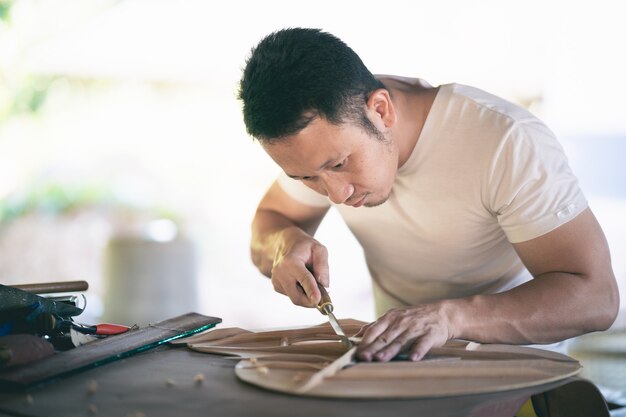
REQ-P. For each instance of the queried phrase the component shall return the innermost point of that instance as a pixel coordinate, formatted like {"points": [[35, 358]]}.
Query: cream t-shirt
{"points": [[484, 174]]}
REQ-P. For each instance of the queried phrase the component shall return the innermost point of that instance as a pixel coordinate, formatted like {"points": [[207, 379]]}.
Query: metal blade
{"points": [[337, 328]]}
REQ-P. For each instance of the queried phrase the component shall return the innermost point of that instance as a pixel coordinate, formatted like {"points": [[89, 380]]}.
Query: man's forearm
{"points": [[547, 309]]}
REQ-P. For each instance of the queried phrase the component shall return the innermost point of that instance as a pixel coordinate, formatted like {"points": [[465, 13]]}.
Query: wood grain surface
{"points": [[312, 361]]}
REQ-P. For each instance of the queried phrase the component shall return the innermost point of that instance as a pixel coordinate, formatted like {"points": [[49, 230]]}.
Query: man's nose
{"points": [[338, 191]]}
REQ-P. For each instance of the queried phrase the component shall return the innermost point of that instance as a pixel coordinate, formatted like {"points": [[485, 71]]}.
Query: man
{"points": [[472, 224]]}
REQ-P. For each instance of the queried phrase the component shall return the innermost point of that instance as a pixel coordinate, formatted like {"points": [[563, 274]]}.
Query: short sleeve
{"points": [[532, 189], [300, 192]]}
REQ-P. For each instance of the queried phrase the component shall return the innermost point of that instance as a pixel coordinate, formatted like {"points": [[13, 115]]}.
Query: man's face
{"points": [[345, 163]]}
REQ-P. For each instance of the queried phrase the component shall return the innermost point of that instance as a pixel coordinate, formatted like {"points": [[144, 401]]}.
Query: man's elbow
{"points": [[607, 307], [612, 310]]}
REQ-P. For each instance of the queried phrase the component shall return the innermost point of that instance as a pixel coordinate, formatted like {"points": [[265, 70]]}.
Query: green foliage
{"points": [[53, 199], [56, 198], [31, 94], [5, 9], [23, 94]]}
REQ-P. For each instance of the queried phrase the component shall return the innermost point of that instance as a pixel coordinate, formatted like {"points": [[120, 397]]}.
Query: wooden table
{"points": [[160, 383]]}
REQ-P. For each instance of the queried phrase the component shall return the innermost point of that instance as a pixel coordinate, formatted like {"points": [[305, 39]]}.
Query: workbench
{"points": [[165, 382]]}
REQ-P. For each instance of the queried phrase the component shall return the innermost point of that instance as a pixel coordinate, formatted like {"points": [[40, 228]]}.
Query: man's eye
{"points": [[339, 165], [306, 178]]}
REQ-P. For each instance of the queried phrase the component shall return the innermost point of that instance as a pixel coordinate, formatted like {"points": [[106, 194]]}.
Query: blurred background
{"points": [[124, 160]]}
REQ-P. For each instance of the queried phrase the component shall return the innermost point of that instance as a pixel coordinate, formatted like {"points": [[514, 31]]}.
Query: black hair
{"points": [[295, 75]]}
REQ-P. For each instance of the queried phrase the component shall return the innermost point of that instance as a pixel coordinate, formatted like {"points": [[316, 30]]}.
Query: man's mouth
{"points": [[359, 202]]}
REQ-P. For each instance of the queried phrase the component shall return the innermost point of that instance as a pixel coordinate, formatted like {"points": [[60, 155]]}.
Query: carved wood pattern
{"points": [[313, 361]]}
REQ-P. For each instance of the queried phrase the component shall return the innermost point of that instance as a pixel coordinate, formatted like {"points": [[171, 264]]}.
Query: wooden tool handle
{"points": [[50, 287], [325, 305]]}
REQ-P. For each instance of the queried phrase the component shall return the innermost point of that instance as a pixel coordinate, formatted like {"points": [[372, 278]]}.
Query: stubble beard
{"points": [[377, 203]]}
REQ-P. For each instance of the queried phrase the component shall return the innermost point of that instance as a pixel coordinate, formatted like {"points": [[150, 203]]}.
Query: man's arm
{"points": [[283, 247], [573, 292]]}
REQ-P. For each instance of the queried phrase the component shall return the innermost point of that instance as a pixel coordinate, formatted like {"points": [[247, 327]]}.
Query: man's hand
{"points": [[299, 264], [414, 330], [283, 247]]}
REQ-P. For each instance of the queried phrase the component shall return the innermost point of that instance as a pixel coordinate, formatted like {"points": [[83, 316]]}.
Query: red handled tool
{"points": [[107, 329]]}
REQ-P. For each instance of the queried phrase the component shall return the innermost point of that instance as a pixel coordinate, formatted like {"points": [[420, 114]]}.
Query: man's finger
{"points": [[371, 341], [386, 346], [422, 346], [362, 330], [390, 351], [308, 284], [298, 296], [374, 330], [319, 256]]}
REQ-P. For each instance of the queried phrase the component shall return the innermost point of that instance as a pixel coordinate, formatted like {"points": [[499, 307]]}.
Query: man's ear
{"points": [[380, 103]]}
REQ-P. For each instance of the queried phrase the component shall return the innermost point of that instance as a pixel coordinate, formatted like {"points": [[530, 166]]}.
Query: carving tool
{"points": [[325, 306], [104, 329]]}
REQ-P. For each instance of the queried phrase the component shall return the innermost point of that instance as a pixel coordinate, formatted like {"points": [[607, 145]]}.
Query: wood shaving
{"points": [[29, 399], [198, 379], [337, 365], [263, 370], [169, 382], [92, 409], [136, 414], [284, 341], [472, 346], [92, 387], [253, 361]]}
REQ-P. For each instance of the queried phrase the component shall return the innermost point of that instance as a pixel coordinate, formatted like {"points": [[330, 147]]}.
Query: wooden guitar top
{"points": [[313, 361]]}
